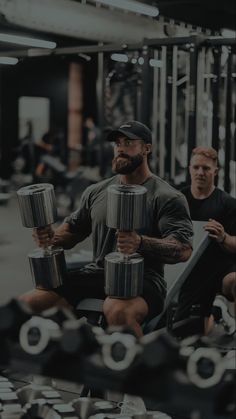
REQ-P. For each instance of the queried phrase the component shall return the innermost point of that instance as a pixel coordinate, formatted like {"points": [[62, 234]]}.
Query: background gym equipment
{"points": [[38, 209], [175, 276], [179, 86], [126, 211]]}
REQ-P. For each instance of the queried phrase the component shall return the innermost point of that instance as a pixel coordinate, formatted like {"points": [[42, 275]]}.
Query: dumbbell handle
{"points": [[126, 256], [47, 248]]}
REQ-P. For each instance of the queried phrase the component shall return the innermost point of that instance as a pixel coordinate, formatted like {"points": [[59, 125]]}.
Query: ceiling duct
{"points": [[74, 19]]}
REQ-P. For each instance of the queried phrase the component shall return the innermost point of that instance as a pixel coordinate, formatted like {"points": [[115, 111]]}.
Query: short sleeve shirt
{"points": [[219, 206], [167, 215]]}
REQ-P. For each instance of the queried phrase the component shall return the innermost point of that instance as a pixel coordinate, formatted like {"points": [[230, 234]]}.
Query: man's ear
{"points": [[148, 148], [216, 171]]}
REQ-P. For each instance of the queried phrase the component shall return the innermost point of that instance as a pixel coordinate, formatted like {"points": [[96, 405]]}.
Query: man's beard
{"points": [[127, 164]]}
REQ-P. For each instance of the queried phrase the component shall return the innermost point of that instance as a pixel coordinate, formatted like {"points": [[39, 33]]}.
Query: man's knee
{"points": [[120, 313], [229, 286], [39, 300], [115, 314]]}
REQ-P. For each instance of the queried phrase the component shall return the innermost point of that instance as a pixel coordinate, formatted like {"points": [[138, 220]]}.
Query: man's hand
{"points": [[216, 230], [128, 242], [43, 236]]}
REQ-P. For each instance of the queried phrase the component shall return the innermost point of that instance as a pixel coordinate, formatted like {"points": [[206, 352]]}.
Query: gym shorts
{"points": [[82, 283]]}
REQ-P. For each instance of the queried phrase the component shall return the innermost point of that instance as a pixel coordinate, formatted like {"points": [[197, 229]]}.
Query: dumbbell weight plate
{"points": [[48, 268], [37, 205], [126, 207], [123, 275], [37, 333]]}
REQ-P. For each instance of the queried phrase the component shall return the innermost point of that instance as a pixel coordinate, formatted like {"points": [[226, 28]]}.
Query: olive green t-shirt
{"points": [[167, 215]]}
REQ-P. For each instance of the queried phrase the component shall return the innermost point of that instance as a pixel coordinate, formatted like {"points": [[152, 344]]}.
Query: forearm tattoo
{"points": [[65, 239], [167, 250]]}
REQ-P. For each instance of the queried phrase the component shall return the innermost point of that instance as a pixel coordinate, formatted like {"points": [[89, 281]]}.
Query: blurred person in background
{"points": [[92, 142], [218, 268], [48, 145]]}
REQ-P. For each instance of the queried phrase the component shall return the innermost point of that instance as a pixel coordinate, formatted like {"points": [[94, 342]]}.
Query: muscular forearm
{"points": [[63, 237], [167, 250], [229, 243]]}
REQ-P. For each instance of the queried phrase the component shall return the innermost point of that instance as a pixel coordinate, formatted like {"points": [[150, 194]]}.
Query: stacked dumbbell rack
{"points": [[171, 377]]}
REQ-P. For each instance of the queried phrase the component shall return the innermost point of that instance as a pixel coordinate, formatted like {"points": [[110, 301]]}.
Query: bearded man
{"points": [[165, 239]]}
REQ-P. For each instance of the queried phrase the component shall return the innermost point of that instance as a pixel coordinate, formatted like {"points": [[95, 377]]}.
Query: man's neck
{"points": [[200, 193], [138, 177]]}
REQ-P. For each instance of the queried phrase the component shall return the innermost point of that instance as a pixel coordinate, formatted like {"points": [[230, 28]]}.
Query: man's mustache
{"points": [[123, 155]]}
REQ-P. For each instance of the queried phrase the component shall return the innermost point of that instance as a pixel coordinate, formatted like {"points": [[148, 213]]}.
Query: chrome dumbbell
{"points": [[126, 211], [38, 209]]}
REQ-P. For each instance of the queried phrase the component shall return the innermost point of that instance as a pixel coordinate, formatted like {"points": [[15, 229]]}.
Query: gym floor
{"points": [[15, 243]]}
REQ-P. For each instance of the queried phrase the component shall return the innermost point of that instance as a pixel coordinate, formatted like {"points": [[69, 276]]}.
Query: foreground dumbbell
{"points": [[39, 332], [87, 406], [79, 338], [12, 316], [83, 406], [10, 407], [119, 350], [31, 392], [38, 209], [126, 211], [42, 410]]}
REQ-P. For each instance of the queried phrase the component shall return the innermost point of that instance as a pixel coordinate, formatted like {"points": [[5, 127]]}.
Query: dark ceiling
{"points": [[212, 14]]}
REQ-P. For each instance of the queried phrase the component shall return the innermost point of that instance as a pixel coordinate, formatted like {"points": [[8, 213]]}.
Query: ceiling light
{"points": [[141, 60], [85, 57], [8, 60], [228, 33], [155, 63], [132, 6], [38, 52], [25, 40], [122, 58]]}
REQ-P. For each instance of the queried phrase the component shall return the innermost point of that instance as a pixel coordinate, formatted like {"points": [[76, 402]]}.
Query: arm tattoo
{"points": [[167, 250], [63, 237]]}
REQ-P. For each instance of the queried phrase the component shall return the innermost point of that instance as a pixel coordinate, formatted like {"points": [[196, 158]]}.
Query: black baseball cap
{"points": [[133, 130]]}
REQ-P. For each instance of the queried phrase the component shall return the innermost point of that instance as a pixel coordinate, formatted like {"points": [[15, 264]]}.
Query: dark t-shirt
{"points": [[206, 278], [167, 215], [219, 205]]}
